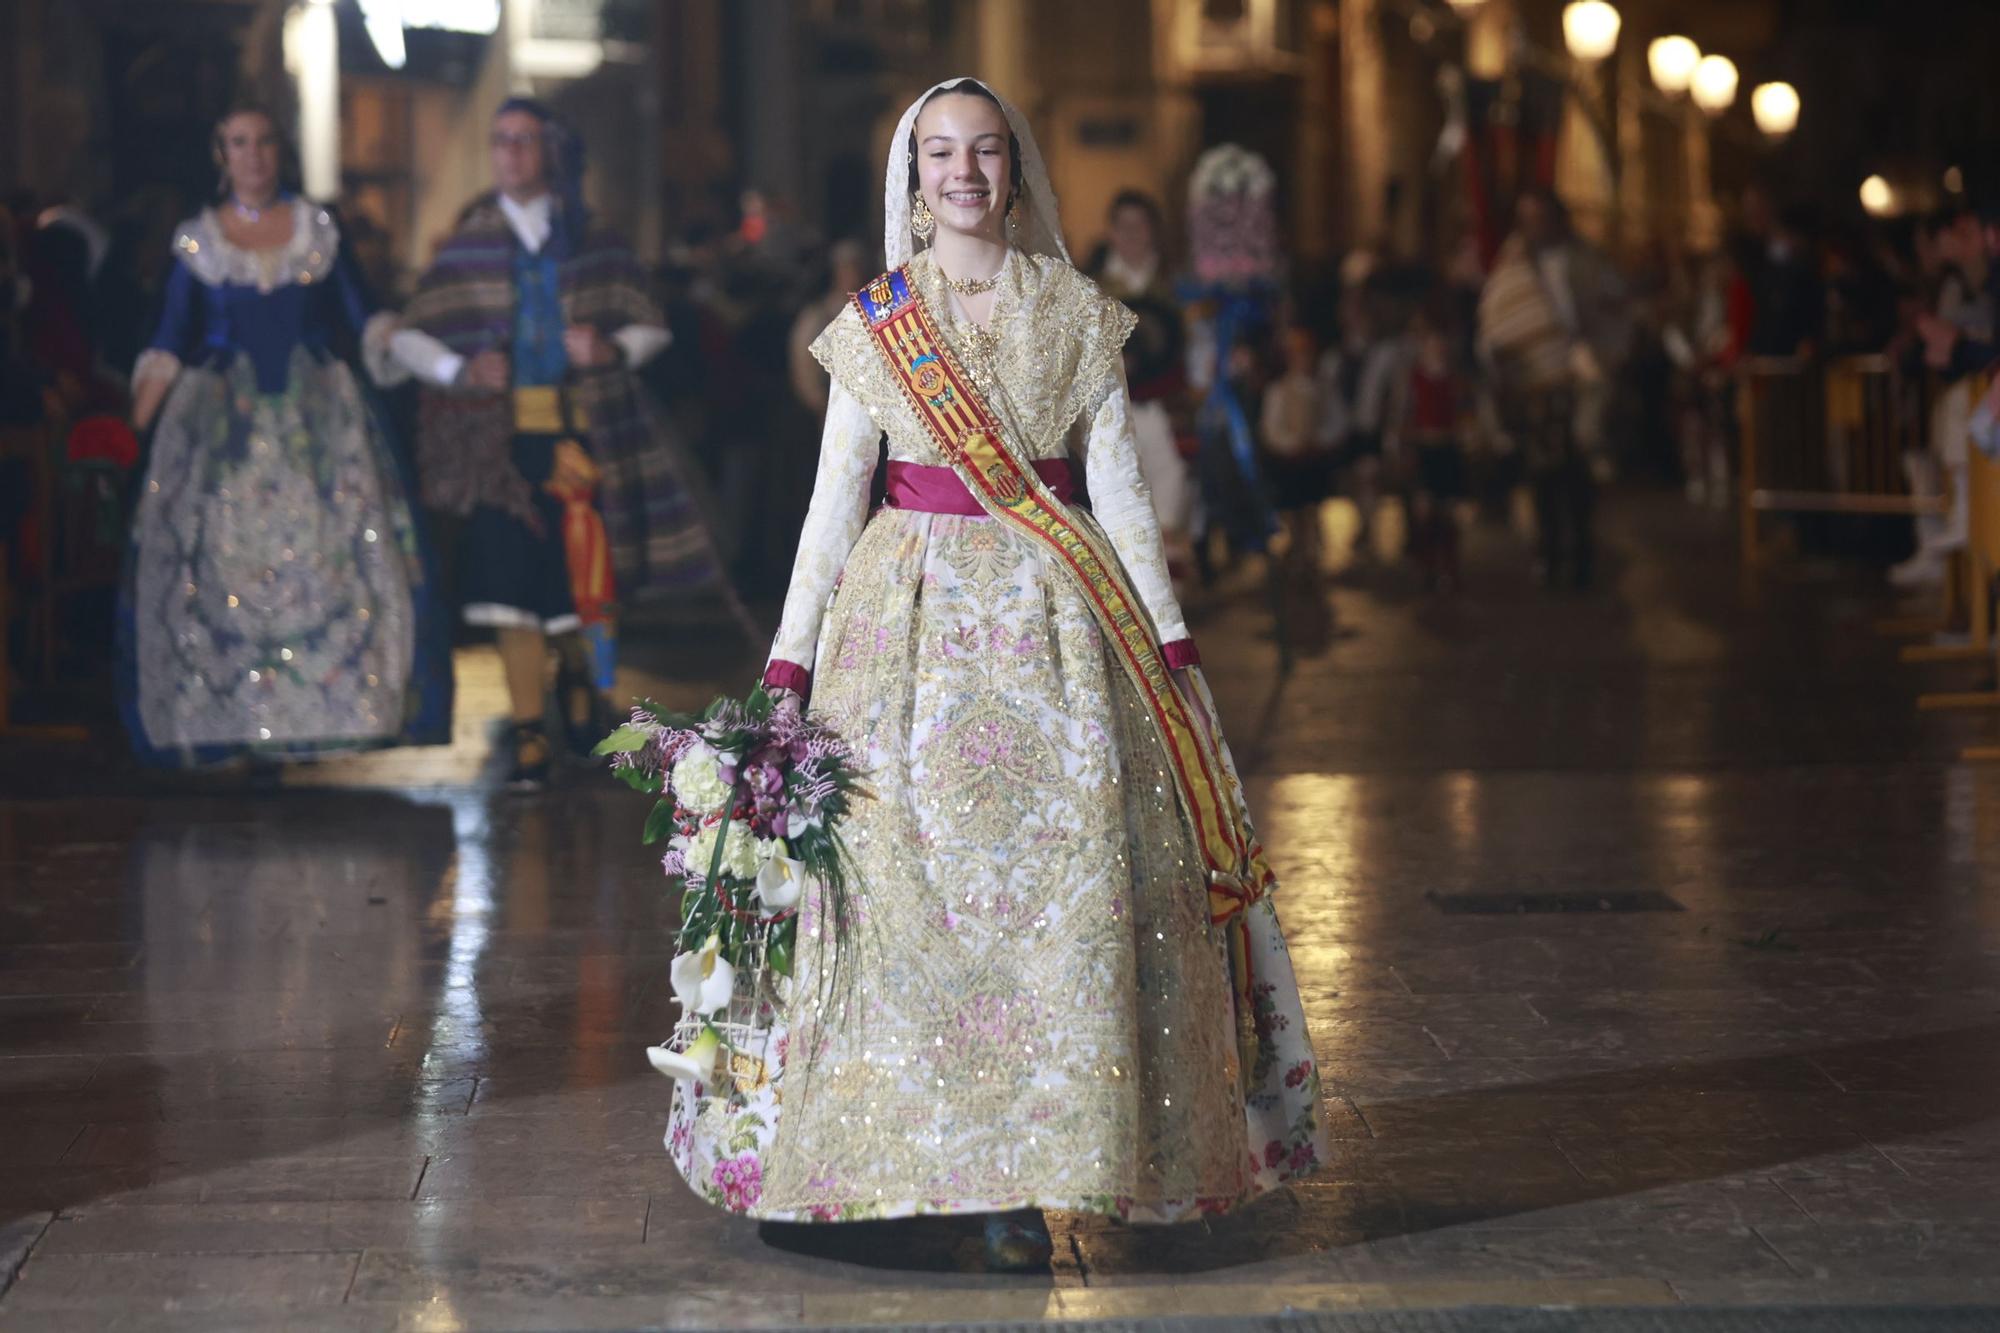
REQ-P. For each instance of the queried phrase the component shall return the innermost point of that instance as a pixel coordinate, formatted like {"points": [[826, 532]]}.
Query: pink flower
{"points": [[1297, 1073], [741, 1181]]}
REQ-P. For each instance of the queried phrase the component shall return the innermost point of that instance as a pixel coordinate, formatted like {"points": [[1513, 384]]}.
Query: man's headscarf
{"points": [[562, 164]]}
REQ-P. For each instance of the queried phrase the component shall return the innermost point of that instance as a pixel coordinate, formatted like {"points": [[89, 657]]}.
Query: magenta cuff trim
{"points": [[784, 675]]}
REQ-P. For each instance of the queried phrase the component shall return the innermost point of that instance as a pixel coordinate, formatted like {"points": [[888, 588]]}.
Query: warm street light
{"points": [[1714, 84], [1590, 29], [1672, 61], [1877, 197], [1954, 180], [1776, 108], [1466, 6]]}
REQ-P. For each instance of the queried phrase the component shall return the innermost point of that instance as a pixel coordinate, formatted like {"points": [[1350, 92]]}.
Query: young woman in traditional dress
{"points": [[1058, 981], [275, 601]]}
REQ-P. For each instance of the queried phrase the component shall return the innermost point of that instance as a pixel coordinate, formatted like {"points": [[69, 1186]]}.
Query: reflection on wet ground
{"points": [[371, 1058]]}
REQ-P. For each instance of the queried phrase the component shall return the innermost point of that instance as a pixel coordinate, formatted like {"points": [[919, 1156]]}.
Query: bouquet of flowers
{"points": [[751, 799]]}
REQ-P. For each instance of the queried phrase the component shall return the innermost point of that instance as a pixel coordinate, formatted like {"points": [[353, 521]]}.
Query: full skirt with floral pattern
{"points": [[1029, 1005]]}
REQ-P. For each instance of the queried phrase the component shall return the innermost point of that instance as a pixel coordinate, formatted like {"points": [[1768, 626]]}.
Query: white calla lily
{"points": [[703, 982], [780, 883], [695, 1064]]}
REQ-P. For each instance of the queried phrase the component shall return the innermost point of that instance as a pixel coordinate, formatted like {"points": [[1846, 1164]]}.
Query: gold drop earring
{"points": [[922, 223]]}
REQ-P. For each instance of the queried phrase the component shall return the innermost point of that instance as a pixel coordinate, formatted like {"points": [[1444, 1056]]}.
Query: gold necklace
{"points": [[971, 286]]}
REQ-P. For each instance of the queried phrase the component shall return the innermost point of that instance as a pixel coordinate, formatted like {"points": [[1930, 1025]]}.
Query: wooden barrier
{"points": [[1827, 441], [1977, 572]]}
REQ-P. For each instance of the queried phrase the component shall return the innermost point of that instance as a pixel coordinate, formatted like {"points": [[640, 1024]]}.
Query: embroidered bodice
{"points": [[1051, 371], [539, 354], [223, 300]]}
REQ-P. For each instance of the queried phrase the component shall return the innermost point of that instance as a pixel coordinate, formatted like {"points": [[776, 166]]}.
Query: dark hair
{"points": [[287, 161], [1552, 204], [563, 162], [970, 88], [1145, 203]]}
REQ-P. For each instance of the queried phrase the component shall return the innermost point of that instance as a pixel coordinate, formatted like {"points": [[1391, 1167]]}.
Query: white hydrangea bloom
{"points": [[740, 858], [698, 783]]}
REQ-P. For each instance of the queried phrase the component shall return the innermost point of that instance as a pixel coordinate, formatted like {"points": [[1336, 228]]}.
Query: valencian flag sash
{"points": [[972, 441]]}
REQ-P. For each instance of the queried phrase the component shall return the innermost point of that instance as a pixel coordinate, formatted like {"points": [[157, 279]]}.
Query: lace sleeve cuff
{"points": [[155, 363], [783, 675]]}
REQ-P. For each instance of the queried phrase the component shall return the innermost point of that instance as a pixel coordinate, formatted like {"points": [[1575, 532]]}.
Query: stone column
{"points": [[1004, 52], [695, 153], [1316, 219], [312, 53], [773, 161], [1364, 88], [1704, 216]]}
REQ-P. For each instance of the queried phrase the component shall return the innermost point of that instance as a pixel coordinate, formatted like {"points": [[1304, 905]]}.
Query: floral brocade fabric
{"points": [[275, 557], [1029, 1006]]}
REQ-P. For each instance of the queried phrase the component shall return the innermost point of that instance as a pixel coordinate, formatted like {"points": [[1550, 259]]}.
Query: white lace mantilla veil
{"points": [[1040, 230]]}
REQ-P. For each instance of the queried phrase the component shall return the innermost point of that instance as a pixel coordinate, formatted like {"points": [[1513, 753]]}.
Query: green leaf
{"points": [[628, 739], [779, 955], [659, 823], [638, 779]]}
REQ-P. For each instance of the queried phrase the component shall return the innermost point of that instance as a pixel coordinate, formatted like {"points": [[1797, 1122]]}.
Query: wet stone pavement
{"points": [[1651, 939]]}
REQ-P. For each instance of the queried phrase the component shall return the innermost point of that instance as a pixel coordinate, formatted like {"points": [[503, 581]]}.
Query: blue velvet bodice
{"points": [[210, 323]]}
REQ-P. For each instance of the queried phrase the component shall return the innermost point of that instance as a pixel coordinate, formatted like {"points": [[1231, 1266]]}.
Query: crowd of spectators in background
{"points": [[1441, 386]]}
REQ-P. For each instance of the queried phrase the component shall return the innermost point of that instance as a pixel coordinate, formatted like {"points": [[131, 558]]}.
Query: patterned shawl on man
{"points": [[649, 495]]}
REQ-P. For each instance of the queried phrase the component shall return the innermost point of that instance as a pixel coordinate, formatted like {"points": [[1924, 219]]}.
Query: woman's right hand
{"points": [[784, 700], [147, 395], [486, 372]]}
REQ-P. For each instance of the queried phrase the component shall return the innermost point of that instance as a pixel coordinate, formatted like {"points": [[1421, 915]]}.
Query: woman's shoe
{"points": [[532, 754], [1018, 1242]]}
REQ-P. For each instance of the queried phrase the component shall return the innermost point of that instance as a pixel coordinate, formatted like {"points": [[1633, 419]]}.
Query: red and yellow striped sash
{"points": [[971, 439]]}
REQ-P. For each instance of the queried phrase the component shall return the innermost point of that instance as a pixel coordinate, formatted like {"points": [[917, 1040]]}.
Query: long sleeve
{"points": [[374, 329], [425, 357], [1124, 509], [356, 305], [171, 338], [834, 520]]}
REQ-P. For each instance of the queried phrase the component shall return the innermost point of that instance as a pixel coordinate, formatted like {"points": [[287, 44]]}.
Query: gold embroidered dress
{"points": [[1032, 1006]]}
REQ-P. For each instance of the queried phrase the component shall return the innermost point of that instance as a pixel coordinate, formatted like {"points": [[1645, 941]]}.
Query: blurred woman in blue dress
{"points": [[276, 601]]}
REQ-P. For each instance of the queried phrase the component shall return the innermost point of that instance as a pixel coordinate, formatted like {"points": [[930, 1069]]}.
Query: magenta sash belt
{"points": [[937, 490]]}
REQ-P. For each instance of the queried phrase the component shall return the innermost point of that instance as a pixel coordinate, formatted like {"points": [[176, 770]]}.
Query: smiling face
{"points": [[248, 143], [964, 166]]}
